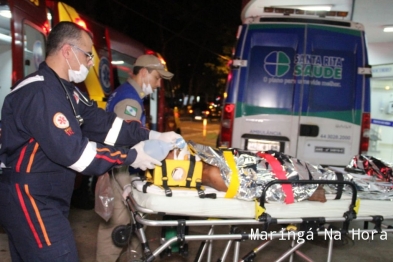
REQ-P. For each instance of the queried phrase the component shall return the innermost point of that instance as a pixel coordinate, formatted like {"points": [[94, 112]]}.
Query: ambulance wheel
{"points": [[121, 235]]}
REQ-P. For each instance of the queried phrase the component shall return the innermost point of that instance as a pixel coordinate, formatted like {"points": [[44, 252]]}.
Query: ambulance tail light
{"points": [[46, 27], [365, 133], [228, 117]]}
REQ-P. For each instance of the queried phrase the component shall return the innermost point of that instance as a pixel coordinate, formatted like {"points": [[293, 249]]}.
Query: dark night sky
{"points": [[187, 33]]}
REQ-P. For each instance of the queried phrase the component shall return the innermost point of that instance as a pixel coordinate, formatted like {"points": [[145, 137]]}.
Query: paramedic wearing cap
{"points": [[127, 102], [49, 132]]}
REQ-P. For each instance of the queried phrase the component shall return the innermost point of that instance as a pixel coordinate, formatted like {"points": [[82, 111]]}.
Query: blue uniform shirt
{"points": [[127, 102], [124, 98]]}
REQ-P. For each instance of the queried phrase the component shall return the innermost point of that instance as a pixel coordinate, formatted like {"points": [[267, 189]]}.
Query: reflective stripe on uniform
{"points": [[37, 213], [113, 133], [86, 158], [28, 81]]}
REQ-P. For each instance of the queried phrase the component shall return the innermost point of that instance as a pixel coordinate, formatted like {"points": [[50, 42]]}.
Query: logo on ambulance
{"points": [[104, 75], [277, 63]]}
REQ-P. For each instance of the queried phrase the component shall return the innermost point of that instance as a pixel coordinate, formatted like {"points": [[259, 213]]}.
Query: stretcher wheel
{"points": [[121, 235]]}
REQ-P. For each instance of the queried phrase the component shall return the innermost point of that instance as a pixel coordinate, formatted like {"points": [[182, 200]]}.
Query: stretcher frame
{"points": [[139, 223]]}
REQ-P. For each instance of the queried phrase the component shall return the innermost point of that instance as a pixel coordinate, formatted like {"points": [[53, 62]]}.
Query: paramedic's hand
{"points": [[143, 160], [169, 137], [126, 191]]}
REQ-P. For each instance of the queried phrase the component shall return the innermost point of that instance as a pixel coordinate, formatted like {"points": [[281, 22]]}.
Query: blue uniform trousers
{"points": [[34, 213]]}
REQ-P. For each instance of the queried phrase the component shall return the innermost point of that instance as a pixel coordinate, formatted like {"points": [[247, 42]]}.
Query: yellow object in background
{"points": [[92, 82], [204, 127]]}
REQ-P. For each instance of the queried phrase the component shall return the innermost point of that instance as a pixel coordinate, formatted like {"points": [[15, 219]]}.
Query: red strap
{"points": [[280, 174]]}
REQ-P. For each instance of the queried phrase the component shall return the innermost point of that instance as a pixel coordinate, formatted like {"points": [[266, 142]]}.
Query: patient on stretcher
{"points": [[254, 172]]}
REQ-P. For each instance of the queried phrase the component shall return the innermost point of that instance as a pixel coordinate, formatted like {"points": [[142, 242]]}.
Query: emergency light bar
{"points": [[315, 8], [388, 29], [304, 11]]}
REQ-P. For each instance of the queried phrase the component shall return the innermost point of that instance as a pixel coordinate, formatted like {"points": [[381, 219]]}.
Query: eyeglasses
{"points": [[89, 55]]}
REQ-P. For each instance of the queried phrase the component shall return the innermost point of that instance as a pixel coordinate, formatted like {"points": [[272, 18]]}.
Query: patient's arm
{"points": [[211, 175]]}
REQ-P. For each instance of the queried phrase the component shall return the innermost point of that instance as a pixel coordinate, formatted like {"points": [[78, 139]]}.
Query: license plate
{"points": [[262, 145]]}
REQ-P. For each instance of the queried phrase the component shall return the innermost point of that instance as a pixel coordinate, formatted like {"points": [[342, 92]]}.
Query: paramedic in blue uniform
{"points": [[127, 102], [49, 132]]}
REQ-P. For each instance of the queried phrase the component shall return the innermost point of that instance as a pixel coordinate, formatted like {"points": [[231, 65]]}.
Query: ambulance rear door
{"points": [[334, 93]]}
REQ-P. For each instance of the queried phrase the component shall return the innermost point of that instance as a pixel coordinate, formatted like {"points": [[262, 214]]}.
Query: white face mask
{"points": [[77, 76], [147, 89]]}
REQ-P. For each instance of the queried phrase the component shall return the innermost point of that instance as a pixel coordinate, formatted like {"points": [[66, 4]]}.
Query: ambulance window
{"points": [[329, 84], [122, 67], [5, 52], [34, 49]]}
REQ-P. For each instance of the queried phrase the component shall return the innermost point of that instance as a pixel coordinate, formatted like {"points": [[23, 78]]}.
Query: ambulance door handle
{"points": [[309, 130]]}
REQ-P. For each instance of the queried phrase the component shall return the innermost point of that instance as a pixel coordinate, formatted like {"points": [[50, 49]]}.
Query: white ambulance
{"points": [[299, 84]]}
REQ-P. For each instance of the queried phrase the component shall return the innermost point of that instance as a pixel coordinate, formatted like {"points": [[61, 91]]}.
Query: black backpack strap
{"points": [[201, 193], [168, 191], [198, 182], [147, 184], [340, 187], [190, 171]]}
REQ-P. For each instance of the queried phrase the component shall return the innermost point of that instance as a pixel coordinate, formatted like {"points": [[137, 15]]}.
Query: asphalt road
{"points": [[198, 133]]}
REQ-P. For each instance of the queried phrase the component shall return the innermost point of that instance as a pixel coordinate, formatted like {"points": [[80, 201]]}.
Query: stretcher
{"points": [[297, 220]]}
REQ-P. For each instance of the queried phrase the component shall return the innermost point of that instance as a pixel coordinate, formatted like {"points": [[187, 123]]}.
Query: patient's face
{"points": [[171, 155]]}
